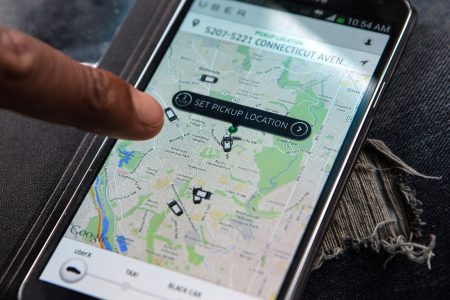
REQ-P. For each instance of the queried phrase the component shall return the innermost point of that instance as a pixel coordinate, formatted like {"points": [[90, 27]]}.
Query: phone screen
{"points": [[257, 102]]}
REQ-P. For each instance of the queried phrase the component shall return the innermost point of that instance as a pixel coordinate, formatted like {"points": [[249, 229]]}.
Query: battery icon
{"points": [[340, 20]]}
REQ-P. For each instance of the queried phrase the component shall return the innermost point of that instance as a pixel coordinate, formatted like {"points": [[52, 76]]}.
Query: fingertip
{"points": [[149, 113]]}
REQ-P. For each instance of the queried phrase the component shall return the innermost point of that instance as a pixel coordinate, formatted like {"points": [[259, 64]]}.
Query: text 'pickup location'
{"points": [[241, 115]]}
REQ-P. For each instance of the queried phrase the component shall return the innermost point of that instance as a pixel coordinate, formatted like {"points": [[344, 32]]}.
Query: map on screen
{"points": [[218, 201]]}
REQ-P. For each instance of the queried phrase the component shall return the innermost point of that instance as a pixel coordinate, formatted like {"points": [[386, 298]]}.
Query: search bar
{"points": [[280, 43]]}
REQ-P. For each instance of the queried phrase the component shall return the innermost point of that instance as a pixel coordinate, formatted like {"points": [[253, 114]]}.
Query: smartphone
{"points": [[267, 104]]}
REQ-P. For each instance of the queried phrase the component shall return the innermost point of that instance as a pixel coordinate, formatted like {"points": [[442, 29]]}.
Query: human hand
{"points": [[41, 82]]}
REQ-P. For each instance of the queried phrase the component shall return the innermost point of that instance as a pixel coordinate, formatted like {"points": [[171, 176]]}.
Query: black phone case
{"points": [[127, 56]]}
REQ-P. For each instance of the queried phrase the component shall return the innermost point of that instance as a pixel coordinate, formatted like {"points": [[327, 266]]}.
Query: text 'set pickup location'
{"points": [[241, 115]]}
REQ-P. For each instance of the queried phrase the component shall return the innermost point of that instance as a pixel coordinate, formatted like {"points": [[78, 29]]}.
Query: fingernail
{"points": [[149, 112]]}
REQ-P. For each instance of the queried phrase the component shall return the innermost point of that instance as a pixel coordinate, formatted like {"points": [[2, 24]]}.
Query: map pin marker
{"points": [[195, 22]]}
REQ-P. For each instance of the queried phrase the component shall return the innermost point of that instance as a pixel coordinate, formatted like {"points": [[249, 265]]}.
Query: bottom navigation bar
{"points": [[107, 275]]}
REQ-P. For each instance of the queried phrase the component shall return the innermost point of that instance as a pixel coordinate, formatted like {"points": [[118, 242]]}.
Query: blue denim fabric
{"points": [[414, 121]]}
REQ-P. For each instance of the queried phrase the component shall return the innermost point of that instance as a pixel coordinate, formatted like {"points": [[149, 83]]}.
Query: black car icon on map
{"points": [[170, 114], [227, 143], [197, 199], [175, 207], [209, 78], [201, 193]]}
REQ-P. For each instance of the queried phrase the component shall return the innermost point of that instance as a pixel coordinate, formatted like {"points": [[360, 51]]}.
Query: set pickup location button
{"points": [[240, 115]]}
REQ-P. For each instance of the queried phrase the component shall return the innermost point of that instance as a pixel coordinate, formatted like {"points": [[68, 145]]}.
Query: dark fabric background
{"points": [[413, 119]]}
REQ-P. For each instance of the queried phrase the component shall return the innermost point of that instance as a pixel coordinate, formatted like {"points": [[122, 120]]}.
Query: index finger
{"points": [[41, 82]]}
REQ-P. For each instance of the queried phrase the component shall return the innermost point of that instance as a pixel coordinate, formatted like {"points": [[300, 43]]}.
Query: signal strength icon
{"points": [[331, 18]]}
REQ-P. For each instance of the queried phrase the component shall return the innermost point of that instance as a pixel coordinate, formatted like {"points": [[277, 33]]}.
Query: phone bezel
{"points": [[297, 275]]}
